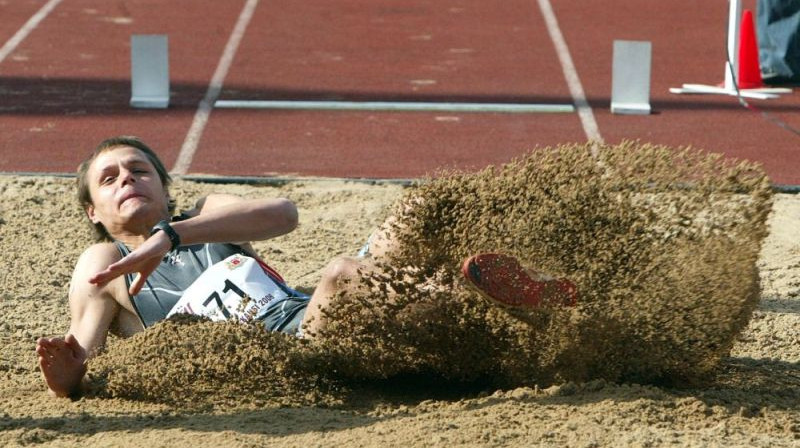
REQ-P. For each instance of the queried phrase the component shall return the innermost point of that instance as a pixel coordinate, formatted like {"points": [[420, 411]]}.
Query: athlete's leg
{"points": [[340, 275], [381, 242]]}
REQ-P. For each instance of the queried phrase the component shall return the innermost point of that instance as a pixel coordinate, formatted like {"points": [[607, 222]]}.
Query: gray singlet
{"points": [[177, 271]]}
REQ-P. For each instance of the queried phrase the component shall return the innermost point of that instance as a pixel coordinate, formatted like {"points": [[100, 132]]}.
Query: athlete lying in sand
{"points": [[123, 187]]}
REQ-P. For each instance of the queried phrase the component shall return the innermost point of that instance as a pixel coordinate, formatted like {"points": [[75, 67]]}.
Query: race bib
{"points": [[235, 288]]}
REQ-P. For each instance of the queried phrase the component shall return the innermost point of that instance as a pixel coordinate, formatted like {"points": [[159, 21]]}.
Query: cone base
{"points": [[751, 85]]}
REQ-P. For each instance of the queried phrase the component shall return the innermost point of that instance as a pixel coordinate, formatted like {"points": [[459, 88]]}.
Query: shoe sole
{"points": [[502, 279]]}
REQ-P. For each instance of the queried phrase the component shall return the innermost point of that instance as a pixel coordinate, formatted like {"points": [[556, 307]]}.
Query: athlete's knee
{"points": [[341, 270]]}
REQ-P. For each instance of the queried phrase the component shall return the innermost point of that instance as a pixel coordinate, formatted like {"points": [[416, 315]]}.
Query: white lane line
{"points": [[26, 29], [189, 146], [397, 106], [570, 74]]}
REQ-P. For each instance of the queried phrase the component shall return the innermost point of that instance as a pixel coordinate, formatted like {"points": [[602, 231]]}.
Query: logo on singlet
{"points": [[234, 262], [173, 259]]}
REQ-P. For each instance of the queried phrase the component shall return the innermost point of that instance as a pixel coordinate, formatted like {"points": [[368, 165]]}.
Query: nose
{"points": [[126, 177]]}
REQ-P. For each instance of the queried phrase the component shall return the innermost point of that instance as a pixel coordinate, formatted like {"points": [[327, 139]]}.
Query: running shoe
{"points": [[503, 280]]}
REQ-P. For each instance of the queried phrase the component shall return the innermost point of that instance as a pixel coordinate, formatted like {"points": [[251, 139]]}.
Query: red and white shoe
{"points": [[503, 280]]}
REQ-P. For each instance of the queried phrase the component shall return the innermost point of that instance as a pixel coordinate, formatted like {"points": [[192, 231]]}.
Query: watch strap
{"points": [[173, 236]]}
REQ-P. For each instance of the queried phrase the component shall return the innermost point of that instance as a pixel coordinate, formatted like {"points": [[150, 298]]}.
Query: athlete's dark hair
{"points": [[85, 197]]}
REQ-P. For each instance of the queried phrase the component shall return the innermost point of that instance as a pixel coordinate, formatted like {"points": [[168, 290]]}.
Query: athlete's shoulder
{"points": [[94, 259], [102, 251], [97, 257]]}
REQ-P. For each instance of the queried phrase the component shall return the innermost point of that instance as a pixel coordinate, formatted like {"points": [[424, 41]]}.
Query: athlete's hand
{"points": [[143, 261], [63, 364]]}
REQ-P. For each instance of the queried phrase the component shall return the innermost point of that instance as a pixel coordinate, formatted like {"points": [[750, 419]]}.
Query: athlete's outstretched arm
{"points": [[215, 219], [92, 309], [224, 218]]}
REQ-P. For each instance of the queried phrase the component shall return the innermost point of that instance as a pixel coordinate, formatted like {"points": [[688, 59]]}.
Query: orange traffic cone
{"points": [[749, 69]]}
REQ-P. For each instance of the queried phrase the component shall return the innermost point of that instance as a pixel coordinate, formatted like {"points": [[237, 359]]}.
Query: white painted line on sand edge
{"points": [[571, 74], [397, 106], [200, 120], [26, 29]]}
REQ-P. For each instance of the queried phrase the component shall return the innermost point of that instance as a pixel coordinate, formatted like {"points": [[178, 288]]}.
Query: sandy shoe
{"points": [[503, 280]]}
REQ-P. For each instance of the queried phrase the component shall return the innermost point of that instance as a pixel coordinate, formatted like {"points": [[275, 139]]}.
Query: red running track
{"points": [[66, 86]]}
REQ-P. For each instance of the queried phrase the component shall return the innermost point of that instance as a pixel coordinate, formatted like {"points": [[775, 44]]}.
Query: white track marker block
{"points": [[630, 77], [149, 71]]}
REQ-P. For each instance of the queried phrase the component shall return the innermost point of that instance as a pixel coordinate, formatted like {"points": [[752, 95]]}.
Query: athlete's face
{"points": [[125, 189]]}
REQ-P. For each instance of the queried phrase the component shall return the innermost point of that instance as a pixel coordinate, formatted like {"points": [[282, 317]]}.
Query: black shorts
{"points": [[285, 316]]}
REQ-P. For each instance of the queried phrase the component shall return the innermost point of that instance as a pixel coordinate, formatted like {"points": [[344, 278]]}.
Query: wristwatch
{"points": [[171, 233]]}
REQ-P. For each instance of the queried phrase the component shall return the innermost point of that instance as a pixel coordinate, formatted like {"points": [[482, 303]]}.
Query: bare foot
{"points": [[62, 361]]}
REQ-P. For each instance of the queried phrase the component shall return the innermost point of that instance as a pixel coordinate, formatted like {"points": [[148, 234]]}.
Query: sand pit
{"points": [[637, 363]]}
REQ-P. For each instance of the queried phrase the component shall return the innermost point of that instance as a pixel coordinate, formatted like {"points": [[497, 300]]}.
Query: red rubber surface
{"points": [[67, 86]]}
